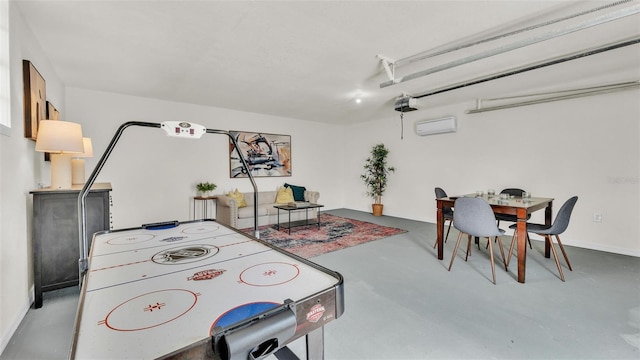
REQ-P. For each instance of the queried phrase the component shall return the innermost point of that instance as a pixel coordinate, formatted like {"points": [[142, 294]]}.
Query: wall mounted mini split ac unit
{"points": [[436, 126]]}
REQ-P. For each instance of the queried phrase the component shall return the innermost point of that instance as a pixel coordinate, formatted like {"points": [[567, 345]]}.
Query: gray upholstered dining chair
{"points": [[447, 212], [559, 226], [474, 217]]}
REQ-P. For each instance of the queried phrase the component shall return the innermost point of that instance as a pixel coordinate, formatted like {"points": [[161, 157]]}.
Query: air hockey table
{"points": [[200, 290], [196, 289]]}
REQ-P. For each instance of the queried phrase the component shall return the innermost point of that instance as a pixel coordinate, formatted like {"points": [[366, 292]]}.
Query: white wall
{"points": [[154, 176], [20, 167], [587, 147]]}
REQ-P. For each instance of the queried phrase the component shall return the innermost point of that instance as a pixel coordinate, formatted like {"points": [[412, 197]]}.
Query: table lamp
{"points": [[77, 162], [61, 139]]}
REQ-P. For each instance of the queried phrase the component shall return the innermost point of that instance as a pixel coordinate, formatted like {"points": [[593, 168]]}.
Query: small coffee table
{"points": [[289, 208]]}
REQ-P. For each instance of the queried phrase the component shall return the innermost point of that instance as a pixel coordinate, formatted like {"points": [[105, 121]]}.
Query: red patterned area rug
{"points": [[335, 233]]}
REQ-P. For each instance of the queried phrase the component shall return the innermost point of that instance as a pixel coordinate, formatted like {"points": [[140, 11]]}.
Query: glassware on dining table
{"points": [[479, 193], [491, 192], [526, 196], [504, 196]]}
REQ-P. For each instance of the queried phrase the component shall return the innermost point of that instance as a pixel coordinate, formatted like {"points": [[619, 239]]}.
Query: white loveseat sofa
{"points": [[228, 213]]}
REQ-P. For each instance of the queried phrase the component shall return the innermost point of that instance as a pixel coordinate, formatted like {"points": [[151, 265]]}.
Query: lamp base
{"points": [[60, 171], [77, 171]]}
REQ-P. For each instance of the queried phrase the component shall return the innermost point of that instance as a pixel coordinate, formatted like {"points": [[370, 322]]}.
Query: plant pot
{"points": [[377, 209]]}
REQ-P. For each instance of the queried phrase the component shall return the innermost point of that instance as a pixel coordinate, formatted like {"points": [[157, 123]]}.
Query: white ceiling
{"points": [[310, 60]]}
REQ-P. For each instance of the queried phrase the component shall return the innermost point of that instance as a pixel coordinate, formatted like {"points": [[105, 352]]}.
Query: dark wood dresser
{"points": [[55, 234]]}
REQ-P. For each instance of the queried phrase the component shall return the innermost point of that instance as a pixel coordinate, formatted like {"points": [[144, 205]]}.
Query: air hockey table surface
{"points": [[197, 289]]}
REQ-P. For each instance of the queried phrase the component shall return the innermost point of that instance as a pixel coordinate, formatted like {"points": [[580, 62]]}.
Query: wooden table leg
{"points": [[440, 227], [522, 244]]}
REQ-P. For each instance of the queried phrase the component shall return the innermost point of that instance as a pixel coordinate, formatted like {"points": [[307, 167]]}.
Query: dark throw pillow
{"points": [[298, 191]]}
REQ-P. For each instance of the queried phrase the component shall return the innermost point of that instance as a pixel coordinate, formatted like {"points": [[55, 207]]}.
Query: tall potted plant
{"points": [[375, 176]]}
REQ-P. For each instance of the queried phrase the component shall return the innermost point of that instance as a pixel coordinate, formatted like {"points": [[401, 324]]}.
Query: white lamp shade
{"points": [[55, 136], [88, 148], [77, 165]]}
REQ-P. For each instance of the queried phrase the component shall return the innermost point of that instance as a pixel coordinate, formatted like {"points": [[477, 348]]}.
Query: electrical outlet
{"points": [[597, 217]]}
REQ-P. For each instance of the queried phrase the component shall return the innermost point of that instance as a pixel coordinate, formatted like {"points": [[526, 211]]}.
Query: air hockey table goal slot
{"points": [[256, 340], [161, 225]]}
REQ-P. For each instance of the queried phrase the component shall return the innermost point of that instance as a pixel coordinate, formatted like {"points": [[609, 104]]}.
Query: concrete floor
{"points": [[402, 303]]}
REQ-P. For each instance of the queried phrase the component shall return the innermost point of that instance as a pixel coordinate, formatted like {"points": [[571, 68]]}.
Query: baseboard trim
{"points": [[583, 244], [15, 323], [588, 245], [600, 247]]}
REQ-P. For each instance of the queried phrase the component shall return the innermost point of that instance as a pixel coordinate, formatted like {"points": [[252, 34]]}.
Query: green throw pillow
{"points": [[298, 191]]}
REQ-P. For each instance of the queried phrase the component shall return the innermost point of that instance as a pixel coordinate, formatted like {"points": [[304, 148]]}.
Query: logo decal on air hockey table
{"points": [[316, 313], [269, 274], [185, 254], [150, 310], [206, 274]]}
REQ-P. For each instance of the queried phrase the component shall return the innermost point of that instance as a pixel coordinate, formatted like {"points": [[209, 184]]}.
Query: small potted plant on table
{"points": [[205, 188], [375, 176]]}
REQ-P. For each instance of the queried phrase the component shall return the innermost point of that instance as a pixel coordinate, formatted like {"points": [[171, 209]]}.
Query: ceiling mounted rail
{"points": [[529, 67], [554, 96], [432, 53], [632, 10]]}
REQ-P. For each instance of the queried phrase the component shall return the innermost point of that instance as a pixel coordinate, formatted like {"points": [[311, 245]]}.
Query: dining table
{"points": [[511, 205]]}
